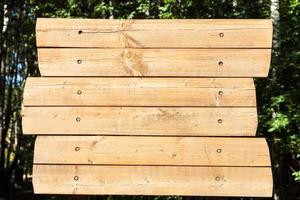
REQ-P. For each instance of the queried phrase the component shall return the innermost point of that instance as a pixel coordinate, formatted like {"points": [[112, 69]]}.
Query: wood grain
{"points": [[199, 121], [238, 33], [153, 180], [154, 62], [145, 150], [110, 119], [139, 92]]}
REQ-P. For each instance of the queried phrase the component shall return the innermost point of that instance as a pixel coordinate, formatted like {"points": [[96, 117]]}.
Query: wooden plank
{"points": [[153, 180], [139, 92], [199, 121], [145, 150], [154, 62], [219, 33]]}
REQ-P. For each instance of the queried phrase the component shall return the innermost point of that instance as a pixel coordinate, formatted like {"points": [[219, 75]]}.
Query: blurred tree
{"points": [[279, 99], [17, 61]]}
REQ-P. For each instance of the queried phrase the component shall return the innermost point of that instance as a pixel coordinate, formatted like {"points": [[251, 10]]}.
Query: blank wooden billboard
{"points": [[128, 107]]}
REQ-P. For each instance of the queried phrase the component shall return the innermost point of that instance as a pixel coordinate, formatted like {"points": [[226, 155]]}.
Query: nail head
{"points": [[221, 34], [220, 92], [220, 63], [220, 121], [79, 61], [78, 119], [76, 178], [80, 31], [77, 148], [218, 178], [219, 150], [79, 92]]}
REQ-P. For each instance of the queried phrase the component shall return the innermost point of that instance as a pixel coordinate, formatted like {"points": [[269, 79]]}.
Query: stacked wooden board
{"points": [[149, 107]]}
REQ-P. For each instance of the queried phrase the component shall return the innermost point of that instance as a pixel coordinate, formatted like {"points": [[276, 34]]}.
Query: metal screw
{"points": [[79, 92], [78, 119], [221, 34], [77, 148], [220, 92], [219, 150], [220, 121], [79, 61], [80, 31], [76, 178], [220, 63], [218, 178]]}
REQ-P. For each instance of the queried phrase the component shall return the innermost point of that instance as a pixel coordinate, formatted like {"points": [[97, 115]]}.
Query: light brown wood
{"points": [[121, 107], [153, 180], [222, 33], [146, 150], [200, 121], [139, 92], [154, 62]]}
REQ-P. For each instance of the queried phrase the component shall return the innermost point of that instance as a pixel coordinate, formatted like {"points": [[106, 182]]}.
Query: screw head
{"points": [[79, 61], [220, 121], [76, 178], [77, 148], [219, 150], [221, 34], [79, 92]]}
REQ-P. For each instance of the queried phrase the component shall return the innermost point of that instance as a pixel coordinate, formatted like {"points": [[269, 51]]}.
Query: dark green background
{"points": [[278, 96]]}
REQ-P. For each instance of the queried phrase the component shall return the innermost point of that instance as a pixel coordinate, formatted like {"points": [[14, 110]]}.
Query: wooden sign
{"points": [[148, 107]]}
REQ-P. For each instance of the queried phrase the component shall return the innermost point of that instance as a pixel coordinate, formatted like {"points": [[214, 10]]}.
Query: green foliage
{"points": [[279, 120], [296, 175], [278, 99]]}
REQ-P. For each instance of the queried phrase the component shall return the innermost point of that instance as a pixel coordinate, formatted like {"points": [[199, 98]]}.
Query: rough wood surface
{"points": [[154, 62], [153, 180], [121, 107], [145, 150], [199, 121], [219, 33], [139, 92]]}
